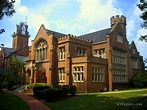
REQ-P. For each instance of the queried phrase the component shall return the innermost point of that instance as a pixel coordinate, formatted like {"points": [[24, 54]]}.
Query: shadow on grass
{"points": [[12, 102], [121, 101]]}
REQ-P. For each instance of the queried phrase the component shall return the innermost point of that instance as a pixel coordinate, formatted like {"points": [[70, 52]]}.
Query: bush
{"points": [[1, 87], [39, 87], [10, 85], [65, 89], [39, 84], [60, 93], [57, 86], [40, 94], [72, 89], [139, 81], [50, 94]]}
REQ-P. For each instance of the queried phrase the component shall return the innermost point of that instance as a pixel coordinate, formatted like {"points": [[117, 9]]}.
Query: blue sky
{"points": [[76, 17]]}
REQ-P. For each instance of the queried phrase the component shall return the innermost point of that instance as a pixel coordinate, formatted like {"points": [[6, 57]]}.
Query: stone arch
{"points": [[41, 50]]}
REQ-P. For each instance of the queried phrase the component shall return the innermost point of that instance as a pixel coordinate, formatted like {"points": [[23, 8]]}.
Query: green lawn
{"points": [[12, 102], [99, 101]]}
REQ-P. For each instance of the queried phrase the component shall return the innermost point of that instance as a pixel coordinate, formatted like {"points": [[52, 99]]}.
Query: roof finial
{"points": [[26, 20]]}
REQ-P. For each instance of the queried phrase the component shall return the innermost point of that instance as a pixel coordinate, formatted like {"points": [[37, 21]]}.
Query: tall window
{"points": [[61, 74], [134, 63], [41, 50], [98, 74], [81, 51], [119, 66], [62, 53], [78, 74], [120, 38], [100, 53]]}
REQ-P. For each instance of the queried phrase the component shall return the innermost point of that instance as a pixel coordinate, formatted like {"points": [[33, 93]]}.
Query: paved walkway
{"points": [[33, 103]]}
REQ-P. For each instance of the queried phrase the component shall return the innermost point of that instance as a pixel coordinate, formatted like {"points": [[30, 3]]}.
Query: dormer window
{"points": [[120, 38], [133, 51], [23, 30]]}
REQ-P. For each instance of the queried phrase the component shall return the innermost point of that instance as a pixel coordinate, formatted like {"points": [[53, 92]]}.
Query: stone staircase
{"points": [[22, 88]]}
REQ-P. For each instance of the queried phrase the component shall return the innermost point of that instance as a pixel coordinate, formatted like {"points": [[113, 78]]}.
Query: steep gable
{"points": [[133, 50], [117, 37], [43, 32], [56, 34]]}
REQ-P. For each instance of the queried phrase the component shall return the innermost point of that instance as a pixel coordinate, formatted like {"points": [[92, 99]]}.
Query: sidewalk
{"points": [[33, 103]]}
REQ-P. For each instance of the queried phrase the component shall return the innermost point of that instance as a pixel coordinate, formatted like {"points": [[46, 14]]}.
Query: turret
{"points": [[118, 19], [21, 36]]}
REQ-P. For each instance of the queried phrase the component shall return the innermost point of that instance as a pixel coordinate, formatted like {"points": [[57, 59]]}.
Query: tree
{"points": [[143, 7], [6, 8], [12, 77]]}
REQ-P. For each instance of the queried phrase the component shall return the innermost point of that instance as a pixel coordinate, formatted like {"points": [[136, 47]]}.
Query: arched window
{"points": [[41, 50]]}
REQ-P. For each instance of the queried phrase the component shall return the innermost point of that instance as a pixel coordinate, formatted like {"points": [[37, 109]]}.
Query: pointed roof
{"points": [[132, 45], [56, 34], [7, 51], [23, 58], [97, 36]]}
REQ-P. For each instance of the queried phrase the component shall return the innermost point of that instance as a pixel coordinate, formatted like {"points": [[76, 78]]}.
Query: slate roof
{"points": [[7, 51], [23, 58], [56, 34], [97, 36]]}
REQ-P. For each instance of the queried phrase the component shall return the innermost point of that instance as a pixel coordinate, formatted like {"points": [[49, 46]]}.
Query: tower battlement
{"points": [[118, 19], [75, 39]]}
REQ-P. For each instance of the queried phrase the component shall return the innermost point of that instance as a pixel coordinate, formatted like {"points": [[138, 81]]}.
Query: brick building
{"points": [[92, 62], [20, 48]]}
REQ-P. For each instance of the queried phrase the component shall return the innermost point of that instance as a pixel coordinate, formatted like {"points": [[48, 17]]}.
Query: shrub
{"points": [[139, 81], [1, 87], [60, 93], [39, 84], [72, 89], [40, 94], [57, 86], [39, 87], [65, 89], [50, 94], [10, 85]]}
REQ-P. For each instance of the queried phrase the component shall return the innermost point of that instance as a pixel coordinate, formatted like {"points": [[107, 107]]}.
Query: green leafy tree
{"points": [[6, 8], [143, 7], [12, 77]]}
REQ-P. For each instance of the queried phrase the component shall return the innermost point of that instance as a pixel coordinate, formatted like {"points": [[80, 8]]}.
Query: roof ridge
{"points": [[96, 31]]}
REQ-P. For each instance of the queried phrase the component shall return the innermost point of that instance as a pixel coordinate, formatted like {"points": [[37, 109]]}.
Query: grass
{"points": [[12, 102], [100, 101]]}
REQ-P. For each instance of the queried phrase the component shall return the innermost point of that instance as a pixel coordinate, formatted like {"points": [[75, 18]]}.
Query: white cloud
{"points": [[130, 28], [134, 30], [96, 12]]}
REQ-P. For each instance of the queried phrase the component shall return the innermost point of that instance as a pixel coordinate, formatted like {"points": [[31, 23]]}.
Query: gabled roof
{"points": [[132, 45], [97, 36], [7, 51], [23, 58], [56, 34]]}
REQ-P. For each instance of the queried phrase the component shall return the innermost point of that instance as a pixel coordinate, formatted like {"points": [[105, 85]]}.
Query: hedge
{"points": [[72, 89], [39, 84], [39, 87], [50, 93], [139, 80]]}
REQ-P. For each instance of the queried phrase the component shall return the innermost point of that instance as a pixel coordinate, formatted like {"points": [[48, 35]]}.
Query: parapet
{"points": [[118, 19], [73, 38]]}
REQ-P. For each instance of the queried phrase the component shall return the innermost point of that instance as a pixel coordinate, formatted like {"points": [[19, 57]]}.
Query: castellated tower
{"points": [[118, 19]]}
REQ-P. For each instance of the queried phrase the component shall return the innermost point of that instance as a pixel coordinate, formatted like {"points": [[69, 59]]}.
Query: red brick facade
{"points": [[92, 62]]}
